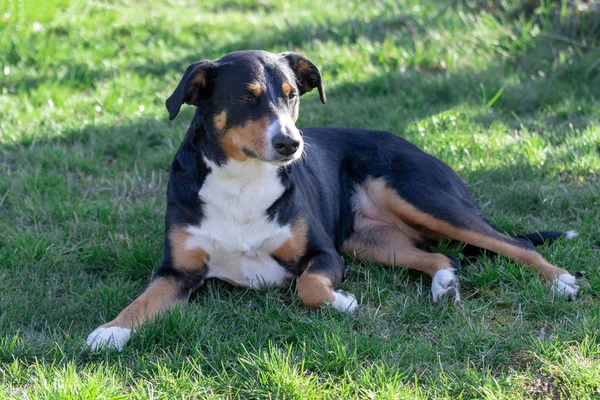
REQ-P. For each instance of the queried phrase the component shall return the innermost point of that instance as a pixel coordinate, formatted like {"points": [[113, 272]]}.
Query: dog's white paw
{"points": [[566, 285], [344, 301], [445, 284], [111, 337]]}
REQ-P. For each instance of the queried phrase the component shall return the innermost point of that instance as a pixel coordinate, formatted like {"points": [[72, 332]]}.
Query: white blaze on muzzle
{"points": [[284, 125]]}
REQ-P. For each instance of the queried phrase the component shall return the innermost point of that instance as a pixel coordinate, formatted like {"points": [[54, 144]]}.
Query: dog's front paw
{"points": [[110, 337], [344, 301], [445, 284], [566, 285]]}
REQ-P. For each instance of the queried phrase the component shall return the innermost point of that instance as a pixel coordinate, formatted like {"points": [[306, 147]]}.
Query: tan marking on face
{"points": [[399, 209], [186, 260], [220, 120], [286, 88], [158, 296], [252, 137], [255, 88], [294, 248], [232, 151], [315, 290]]}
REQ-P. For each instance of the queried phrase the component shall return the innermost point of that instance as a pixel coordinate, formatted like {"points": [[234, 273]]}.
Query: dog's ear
{"points": [[308, 76], [193, 87]]}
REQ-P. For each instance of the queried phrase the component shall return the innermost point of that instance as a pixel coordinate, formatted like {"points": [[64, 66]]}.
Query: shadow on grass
{"points": [[413, 94], [424, 89], [417, 91], [82, 76]]}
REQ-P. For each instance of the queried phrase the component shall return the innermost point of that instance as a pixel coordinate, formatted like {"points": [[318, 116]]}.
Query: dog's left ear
{"points": [[308, 76], [193, 87]]}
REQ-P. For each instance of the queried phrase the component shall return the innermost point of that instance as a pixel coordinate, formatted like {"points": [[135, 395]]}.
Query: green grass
{"points": [[505, 93]]}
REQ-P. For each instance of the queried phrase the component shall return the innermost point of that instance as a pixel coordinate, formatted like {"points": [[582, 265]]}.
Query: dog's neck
{"points": [[243, 172]]}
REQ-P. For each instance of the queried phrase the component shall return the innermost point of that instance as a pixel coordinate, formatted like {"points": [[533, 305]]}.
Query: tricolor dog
{"points": [[255, 201]]}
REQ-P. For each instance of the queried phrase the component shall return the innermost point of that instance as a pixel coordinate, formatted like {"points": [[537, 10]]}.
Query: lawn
{"points": [[507, 93]]}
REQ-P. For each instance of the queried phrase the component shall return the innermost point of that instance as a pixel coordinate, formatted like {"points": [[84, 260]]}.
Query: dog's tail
{"points": [[546, 237], [535, 238]]}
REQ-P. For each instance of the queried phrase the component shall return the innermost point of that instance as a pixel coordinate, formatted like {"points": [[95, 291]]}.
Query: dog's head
{"points": [[249, 102]]}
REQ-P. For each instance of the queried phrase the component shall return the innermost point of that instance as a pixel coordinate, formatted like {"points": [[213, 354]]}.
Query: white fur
{"points": [[565, 285], [344, 301], [281, 124], [112, 337], [570, 234], [236, 231], [273, 129], [445, 282]]}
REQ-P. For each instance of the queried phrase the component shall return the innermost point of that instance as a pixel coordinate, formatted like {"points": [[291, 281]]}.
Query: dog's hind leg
{"points": [[377, 241], [455, 217]]}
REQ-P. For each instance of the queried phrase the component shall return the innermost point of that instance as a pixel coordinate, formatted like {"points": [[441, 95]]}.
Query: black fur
{"points": [[318, 187], [528, 241], [246, 107], [543, 237]]}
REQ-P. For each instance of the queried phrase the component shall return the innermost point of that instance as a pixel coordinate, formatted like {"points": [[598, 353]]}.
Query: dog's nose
{"points": [[285, 145]]}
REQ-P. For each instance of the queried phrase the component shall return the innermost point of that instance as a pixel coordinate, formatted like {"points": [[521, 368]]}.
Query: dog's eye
{"points": [[246, 98], [293, 94]]}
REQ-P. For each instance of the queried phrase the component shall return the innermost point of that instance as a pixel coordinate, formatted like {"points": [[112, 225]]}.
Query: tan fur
{"points": [[199, 82], [388, 245], [294, 248], [233, 151], [252, 137], [186, 260], [220, 120], [286, 88], [255, 88], [199, 79], [158, 296], [401, 211], [163, 293], [373, 223], [303, 67], [315, 290]]}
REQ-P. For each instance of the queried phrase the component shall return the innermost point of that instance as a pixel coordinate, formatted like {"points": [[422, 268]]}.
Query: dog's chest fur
{"points": [[236, 231]]}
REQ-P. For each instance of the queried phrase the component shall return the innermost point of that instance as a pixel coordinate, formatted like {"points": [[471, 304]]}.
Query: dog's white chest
{"points": [[236, 231]]}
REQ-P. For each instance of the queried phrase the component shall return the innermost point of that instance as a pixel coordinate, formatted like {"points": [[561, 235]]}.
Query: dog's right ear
{"points": [[193, 87]]}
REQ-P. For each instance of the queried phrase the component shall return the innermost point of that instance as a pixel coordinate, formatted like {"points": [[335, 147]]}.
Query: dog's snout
{"points": [[286, 140], [285, 145]]}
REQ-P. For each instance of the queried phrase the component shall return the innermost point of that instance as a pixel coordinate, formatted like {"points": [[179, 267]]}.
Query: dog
{"points": [[255, 201]]}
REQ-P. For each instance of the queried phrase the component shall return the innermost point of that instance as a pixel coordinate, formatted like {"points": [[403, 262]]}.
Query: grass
{"points": [[506, 93]]}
